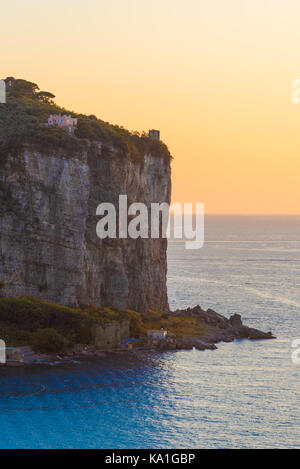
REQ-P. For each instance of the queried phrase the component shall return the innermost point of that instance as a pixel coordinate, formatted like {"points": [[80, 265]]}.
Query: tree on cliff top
{"points": [[19, 88], [45, 96], [23, 119]]}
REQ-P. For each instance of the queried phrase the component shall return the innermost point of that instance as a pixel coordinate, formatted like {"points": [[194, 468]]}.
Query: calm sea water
{"points": [[243, 395]]}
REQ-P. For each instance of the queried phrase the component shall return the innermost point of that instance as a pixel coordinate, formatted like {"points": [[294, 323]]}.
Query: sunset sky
{"points": [[213, 75]]}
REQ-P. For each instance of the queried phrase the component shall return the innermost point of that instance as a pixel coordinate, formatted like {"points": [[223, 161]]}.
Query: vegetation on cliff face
{"points": [[23, 320], [52, 328], [49, 327], [23, 119]]}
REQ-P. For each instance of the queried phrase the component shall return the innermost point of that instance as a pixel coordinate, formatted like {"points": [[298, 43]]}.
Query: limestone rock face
{"points": [[48, 242]]}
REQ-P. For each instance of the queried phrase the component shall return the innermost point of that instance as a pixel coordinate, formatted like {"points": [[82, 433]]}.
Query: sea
{"points": [[245, 394]]}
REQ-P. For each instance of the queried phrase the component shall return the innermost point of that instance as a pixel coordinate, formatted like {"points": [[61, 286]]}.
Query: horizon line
{"points": [[251, 214]]}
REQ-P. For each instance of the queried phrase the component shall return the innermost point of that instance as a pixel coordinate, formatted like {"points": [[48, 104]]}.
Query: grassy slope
{"points": [[180, 326]]}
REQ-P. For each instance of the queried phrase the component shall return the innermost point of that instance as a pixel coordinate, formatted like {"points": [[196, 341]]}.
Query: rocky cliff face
{"points": [[48, 242]]}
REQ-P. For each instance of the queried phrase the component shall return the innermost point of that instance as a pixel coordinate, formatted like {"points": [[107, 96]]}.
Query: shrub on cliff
{"points": [[20, 317], [48, 341], [2, 287], [23, 319], [104, 315], [23, 119]]}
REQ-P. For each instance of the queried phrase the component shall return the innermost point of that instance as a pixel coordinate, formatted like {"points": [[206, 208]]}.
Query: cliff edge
{"points": [[50, 186]]}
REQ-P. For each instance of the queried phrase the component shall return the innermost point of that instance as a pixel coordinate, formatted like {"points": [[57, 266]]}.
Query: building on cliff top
{"points": [[66, 122], [155, 134]]}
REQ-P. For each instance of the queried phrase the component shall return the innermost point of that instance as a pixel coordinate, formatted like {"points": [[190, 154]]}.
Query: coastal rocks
{"points": [[247, 332], [218, 328], [236, 322], [254, 334], [115, 336], [195, 342], [172, 342]]}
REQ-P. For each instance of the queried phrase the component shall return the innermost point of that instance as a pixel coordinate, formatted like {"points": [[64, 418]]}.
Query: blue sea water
{"points": [[243, 395]]}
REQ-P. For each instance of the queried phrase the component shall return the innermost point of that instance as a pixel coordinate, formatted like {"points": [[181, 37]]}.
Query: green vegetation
{"points": [[21, 318], [104, 315], [180, 326], [23, 118], [2, 287], [48, 341], [49, 327]]}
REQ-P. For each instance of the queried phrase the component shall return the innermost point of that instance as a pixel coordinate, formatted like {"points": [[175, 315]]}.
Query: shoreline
{"points": [[217, 328]]}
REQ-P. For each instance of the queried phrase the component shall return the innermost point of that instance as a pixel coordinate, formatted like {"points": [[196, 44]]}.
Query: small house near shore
{"points": [[158, 334]]}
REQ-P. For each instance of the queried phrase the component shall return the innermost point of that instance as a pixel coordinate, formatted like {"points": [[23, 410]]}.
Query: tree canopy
{"points": [[27, 108]]}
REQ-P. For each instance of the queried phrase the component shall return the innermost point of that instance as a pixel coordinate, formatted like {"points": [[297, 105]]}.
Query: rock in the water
{"points": [[236, 321], [218, 328], [255, 334]]}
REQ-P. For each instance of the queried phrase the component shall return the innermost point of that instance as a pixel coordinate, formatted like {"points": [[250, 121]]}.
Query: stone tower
{"points": [[155, 134]]}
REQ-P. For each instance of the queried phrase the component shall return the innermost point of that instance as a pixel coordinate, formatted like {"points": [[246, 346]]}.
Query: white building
{"points": [[158, 334]]}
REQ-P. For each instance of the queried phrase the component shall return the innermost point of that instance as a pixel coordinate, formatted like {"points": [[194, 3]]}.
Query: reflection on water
{"points": [[232, 397], [245, 394]]}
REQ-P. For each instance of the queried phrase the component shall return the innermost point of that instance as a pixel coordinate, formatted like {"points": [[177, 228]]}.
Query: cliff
{"points": [[50, 186], [51, 183], [48, 243]]}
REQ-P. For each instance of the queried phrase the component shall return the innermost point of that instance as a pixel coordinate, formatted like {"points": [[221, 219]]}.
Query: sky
{"points": [[213, 75]]}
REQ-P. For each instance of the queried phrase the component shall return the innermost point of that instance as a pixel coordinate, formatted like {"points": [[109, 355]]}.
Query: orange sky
{"points": [[213, 75]]}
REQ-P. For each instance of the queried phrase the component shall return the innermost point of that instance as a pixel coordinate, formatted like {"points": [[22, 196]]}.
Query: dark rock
{"points": [[243, 332], [218, 329], [255, 334], [236, 321], [200, 345]]}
